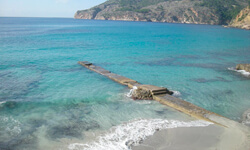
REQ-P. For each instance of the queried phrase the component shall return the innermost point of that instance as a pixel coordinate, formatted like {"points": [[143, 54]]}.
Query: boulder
{"points": [[142, 94], [245, 67]]}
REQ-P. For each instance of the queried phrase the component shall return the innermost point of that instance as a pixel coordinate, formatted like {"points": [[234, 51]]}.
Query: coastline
{"points": [[191, 23]]}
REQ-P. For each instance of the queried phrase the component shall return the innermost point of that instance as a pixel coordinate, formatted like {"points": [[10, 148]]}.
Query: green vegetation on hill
{"points": [[139, 3], [226, 9], [136, 5]]}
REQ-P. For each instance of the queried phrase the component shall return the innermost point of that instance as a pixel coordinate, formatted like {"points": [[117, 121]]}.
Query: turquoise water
{"points": [[46, 98]]}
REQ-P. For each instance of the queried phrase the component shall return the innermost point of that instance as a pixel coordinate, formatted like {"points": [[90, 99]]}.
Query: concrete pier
{"points": [[160, 94], [112, 76]]}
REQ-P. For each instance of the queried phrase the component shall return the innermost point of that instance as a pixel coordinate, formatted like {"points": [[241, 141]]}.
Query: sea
{"points": [[48, 101]]}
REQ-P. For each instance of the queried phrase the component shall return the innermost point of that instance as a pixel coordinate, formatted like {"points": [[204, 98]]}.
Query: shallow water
{"points": [[47, 98]]}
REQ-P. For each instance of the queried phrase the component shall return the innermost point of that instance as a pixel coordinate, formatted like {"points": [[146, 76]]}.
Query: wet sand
{"points": [[212, 137]]}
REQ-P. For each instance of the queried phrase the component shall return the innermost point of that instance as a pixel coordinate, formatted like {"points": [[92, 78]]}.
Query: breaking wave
{"points": [[124, 136], [176, 94], [130, 94], [243, 72]]}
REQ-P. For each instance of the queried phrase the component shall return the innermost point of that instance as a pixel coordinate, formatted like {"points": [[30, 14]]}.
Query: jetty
{"points": [[160, 94]]}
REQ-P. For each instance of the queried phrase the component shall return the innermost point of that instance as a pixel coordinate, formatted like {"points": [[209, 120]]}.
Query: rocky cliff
{"points": [[242, 20], [172, 11], [184, 11]]}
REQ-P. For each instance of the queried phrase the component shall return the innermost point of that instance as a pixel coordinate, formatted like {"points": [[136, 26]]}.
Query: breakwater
{"points": [[160, 94]]}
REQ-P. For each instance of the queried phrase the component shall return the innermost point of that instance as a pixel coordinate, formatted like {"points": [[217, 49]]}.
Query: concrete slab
{"points": [[120, 79], [186, 107]]}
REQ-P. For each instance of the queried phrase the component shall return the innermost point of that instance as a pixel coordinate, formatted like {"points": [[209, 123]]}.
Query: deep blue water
{"points": [[46, 96]]}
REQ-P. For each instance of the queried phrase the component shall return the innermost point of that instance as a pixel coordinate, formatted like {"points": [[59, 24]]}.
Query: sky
{"points": [[44, 8]]}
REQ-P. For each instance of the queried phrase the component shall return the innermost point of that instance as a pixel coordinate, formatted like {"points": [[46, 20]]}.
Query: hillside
{"points": [[242, 20], [173, 11]]}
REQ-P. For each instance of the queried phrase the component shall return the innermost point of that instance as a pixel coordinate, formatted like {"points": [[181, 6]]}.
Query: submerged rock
{"points": [[245, 67], [71, 129]]}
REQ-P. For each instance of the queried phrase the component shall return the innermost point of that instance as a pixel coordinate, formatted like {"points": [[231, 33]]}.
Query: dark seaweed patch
{"points": [[35, 123], [199, 65], [218, 95], [25, 141], [72, 129], [70, 69], [161, 62], [64, 131], [228, 92], [13, 88], [160, 112], [203, 80], [177, 61], [10, 104]]}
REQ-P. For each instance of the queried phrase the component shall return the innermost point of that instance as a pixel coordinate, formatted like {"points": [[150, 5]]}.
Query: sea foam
{"points": [[243, 72], [176, 94], [131, 91], [124, 136], [10, 126]]}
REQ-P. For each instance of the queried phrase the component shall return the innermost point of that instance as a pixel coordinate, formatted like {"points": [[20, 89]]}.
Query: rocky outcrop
{"points": [[245, 67], [182, 11], [242, 20]]}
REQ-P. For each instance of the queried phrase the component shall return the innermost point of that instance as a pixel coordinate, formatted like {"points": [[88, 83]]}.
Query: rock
{"points": [[142, 94], [246, 118], [245, 67], [146, 92]]}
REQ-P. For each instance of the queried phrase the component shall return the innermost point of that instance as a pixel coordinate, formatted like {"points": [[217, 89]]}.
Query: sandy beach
{"points": [[212, 137]]}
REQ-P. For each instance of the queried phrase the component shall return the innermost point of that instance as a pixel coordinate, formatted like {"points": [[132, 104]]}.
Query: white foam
{"points": [[176, 94], [231, 68], [2, 102], [12, 126], [131, 91], [243, 72], [123, 136]]}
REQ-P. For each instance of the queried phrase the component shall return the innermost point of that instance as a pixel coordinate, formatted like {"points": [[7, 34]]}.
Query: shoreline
{"points": [[196, 138], [188, 23]]}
